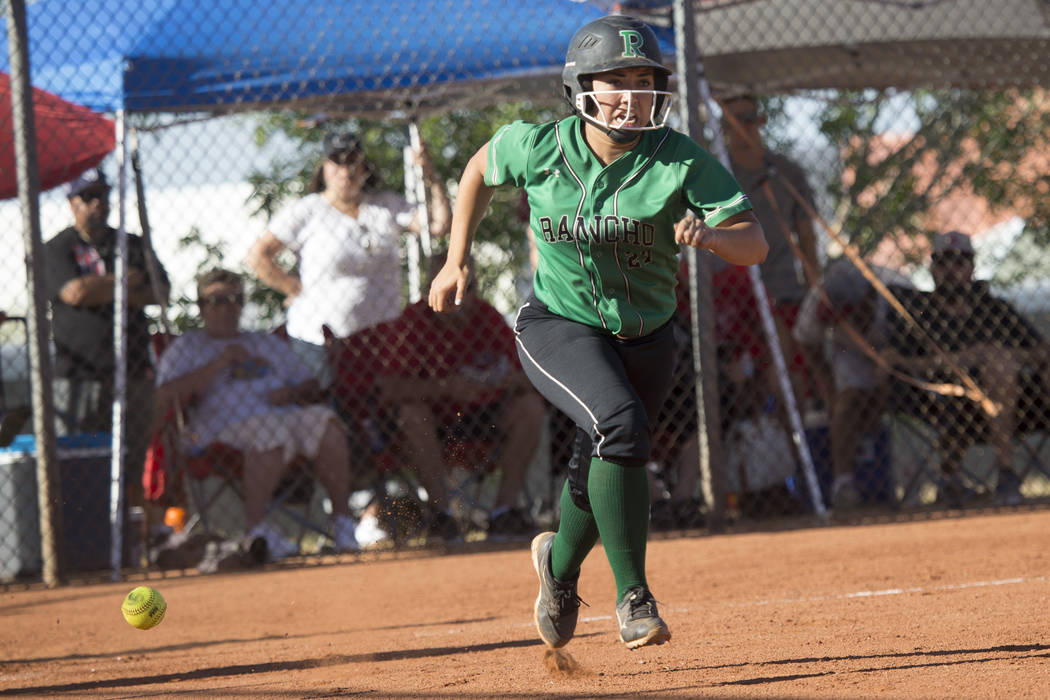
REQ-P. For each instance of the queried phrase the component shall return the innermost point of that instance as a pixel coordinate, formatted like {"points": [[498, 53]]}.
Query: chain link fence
{"points": [[895, 154]]}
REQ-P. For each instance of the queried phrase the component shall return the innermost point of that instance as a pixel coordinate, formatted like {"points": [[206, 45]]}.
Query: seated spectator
{"points": [[850, 381], [249, 390], [987, 338], [455, 377], [12, 418]]}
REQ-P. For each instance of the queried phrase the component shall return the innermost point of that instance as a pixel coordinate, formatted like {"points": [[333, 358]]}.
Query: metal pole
{"points": [[120, 346], [420, 185], [712, 462], [152, 268], [49, 490], [769, 329], [416, 193], [686, 43]]}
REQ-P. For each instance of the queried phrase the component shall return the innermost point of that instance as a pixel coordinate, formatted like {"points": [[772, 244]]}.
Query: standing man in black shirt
{"points": [[80, 264]]}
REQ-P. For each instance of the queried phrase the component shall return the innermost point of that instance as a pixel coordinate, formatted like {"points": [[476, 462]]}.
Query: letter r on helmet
{"points": [[632, 41]]}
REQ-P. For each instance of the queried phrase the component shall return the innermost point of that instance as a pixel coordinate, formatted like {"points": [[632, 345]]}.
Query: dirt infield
{"points": [[956, 607]]}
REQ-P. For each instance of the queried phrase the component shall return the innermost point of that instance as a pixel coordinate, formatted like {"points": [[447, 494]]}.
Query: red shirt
{"points": [[478, 344], [737, 320]]}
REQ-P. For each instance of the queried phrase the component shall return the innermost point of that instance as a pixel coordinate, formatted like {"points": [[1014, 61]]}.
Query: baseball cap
{"points": [[845, 284], [952, 242], [337, 142], [87, 179]]}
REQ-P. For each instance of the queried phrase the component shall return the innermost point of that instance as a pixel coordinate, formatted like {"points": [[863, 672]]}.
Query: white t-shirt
{"points": [[852, 367], [237, 392], [350, 268]]}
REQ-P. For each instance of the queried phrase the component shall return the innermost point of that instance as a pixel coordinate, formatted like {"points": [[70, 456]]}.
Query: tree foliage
{"points": [[993, 143]]}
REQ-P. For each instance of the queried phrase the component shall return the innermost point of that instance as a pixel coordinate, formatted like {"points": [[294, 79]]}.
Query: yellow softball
{"points": [[144, 607]]}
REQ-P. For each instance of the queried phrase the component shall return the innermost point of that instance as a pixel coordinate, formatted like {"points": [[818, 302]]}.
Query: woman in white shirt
{"points": [[347, 242]]}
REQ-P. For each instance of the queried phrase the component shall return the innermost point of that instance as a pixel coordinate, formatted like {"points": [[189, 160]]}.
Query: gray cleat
{"points": [[640, 623], [557, 605]]}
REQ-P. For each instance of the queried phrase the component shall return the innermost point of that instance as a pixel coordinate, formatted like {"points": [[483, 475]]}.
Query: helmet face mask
{"points": [[589, 107], [612, 43]]}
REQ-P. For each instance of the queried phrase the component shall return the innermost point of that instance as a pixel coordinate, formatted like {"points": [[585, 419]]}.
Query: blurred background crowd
{"points": [[285, 389]]}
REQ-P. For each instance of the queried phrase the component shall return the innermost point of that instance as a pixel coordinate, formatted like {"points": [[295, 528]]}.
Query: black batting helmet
{"points": [[610, 43]]}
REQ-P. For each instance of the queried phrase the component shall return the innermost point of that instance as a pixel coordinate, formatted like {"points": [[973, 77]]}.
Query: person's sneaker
{"points": [[661, 515], [510, 523], [1008, 489], [343, 534], [844, 493], [688, 515], [952, 492], [558, 604], [640, 623], [369, 532], [443, 527], [277, 545]]}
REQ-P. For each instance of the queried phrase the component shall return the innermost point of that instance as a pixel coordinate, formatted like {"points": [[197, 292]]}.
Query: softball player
{"points": [[610, 189]]}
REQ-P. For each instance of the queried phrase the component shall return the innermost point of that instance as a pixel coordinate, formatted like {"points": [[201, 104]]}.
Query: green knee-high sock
{"points": [[577, 535], [619, 497]]}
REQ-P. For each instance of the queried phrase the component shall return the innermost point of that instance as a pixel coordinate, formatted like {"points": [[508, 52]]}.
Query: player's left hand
{"points": [[692, 231], [448, 288]]}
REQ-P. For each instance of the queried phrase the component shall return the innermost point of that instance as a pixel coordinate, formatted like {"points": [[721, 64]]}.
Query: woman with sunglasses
{"points": [[250, 391], [612, 192], [346, 239]]}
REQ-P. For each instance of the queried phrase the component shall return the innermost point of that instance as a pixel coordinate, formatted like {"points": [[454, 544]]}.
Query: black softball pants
{"points": [[610, 387]]}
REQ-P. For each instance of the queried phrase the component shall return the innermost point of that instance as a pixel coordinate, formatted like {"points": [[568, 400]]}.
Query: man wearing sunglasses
{"points": [[452, 379], [79, 262]]}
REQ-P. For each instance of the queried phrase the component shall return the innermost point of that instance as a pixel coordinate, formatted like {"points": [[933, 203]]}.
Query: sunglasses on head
{"points": [[350, 158], [93, 195], [233, 299]]}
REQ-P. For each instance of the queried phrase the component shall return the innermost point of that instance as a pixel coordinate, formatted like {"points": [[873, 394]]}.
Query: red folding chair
{"points": [[177, 474]]}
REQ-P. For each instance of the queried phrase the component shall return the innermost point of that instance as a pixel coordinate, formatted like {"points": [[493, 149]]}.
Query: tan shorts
{"points": [[298, 432]]}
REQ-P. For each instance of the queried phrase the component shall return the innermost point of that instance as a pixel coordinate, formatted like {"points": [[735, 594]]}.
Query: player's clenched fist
{"points": [[692, 231]]}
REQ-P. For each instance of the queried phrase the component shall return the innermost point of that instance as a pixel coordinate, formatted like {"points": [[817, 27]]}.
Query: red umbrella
{"points": [[70, 139]]}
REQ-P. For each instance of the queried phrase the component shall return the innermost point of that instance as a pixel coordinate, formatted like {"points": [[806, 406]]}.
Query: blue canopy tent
{"points": [[339, 56], [158, 57], [155, 55]]}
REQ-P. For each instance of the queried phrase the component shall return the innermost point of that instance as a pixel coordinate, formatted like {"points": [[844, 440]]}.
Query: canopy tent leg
{"points": [[416, 193], [49, 489], [120, 344]]}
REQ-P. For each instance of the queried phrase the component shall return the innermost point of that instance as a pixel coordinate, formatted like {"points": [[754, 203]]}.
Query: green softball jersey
{"points": [[607, 253]]}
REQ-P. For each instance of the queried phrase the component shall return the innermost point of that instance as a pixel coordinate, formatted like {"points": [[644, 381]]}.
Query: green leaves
{"points": [[959, 146]]}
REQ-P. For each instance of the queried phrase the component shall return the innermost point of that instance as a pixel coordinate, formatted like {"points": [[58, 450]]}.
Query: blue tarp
{"points": [[165, 55], [162, 55], [26, 444]]}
